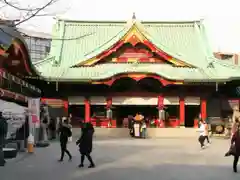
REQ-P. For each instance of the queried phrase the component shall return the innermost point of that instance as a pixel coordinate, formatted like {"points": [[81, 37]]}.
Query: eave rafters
{"points": [[134, 36]]}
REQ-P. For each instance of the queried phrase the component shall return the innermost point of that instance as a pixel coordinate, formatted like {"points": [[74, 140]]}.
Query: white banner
{"points": [[98, 100], [76, 100], [171, 100], [34, 112], [192, 101], [135, 101]]}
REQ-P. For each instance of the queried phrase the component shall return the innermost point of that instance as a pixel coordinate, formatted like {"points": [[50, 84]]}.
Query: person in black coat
{"points": [[65, 133], [130, 125], [23, 132], [236, 140], [85, 144], [3, 134], [52, 129]]}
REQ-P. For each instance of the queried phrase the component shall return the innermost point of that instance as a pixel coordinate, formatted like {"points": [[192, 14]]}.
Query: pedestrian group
{"points": [[85, 141]]}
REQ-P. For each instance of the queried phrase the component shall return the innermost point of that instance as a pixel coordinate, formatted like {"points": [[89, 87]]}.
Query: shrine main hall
{"points": [[109, 70]]}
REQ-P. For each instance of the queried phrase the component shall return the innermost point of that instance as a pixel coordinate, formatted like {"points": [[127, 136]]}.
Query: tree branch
{"points": [[28, 12], [3, 6], [10, 4]]}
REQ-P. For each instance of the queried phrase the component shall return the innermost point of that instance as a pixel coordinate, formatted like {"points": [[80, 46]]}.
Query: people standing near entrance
{"points": [[131, 125], [235, 141], [143, 129], [137, 125], [85, 144], [65, 133], [202, 135], [3, 134]]}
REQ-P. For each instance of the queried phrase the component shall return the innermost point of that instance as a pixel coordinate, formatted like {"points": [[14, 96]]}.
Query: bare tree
{"points": [[29, 12]]}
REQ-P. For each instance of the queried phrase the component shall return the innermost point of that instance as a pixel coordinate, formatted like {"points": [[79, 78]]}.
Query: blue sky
{"points": [[222, 17]]}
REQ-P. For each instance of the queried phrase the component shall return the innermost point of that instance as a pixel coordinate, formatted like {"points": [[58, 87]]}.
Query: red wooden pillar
{"points": [[181, 111], [65, 103], [87, 110], [203, 108]]}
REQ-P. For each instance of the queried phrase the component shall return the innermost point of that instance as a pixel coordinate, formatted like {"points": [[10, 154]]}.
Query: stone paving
{"points": [[119, 159]]}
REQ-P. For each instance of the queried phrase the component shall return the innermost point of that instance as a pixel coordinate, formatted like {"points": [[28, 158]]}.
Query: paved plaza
{"points": [[131, 159]]}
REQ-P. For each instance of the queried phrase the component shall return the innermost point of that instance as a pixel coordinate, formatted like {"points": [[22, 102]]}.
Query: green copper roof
{"points": [[84, 40], [77, 41], [104, 71]]}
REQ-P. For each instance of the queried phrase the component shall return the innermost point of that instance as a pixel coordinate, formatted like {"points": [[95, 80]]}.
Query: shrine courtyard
{"points": [[135, 159]]}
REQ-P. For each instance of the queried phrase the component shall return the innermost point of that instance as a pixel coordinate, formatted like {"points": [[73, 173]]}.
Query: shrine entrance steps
{"points": [[152, 133]]}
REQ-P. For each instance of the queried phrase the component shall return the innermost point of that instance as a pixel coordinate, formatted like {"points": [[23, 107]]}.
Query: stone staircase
{"points": [[173, 133], [152, 132]]}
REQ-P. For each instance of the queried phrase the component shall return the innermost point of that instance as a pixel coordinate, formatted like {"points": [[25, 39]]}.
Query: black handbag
{"points": [[232, 151]]}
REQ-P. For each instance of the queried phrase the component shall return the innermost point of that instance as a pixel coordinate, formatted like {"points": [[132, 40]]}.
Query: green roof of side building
{"points": [[76, 41]]}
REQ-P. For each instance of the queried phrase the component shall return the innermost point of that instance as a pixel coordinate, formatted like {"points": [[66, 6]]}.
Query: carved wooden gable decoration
{"points": [[134, 47]]}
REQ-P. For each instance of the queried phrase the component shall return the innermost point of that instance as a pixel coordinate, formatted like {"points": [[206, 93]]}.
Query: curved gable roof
{"points": [[10, 36], [78, 41]]}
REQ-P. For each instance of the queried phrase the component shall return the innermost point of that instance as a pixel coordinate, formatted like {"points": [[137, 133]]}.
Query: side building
{"points": [[38, 44], [15, 65], [129, 67]]}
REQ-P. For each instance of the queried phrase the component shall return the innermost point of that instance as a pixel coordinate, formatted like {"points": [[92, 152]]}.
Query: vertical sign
{"points": [[34, 115]]}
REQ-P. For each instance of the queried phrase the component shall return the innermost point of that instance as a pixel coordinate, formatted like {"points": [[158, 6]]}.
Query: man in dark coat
{"points": [[3, 134], [236, 140], [85, 144], [65, 133], [23, 133], [130, 125], [52, 129]]}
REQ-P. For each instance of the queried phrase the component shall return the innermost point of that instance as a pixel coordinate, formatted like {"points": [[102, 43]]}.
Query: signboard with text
{"points": [[34, 111]]}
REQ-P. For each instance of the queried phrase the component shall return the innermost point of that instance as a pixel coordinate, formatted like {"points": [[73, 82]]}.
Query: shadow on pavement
{"points": [[43, 164], [130, 160], [156, 172]]}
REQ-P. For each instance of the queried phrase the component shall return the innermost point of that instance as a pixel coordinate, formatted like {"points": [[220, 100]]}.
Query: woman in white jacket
{"points": [[202, 134]]}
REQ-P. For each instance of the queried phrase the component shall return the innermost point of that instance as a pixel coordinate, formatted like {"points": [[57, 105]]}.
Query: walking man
{"points": [[65, 133]]}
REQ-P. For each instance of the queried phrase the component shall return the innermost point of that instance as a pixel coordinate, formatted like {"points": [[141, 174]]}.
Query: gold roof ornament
{"points": [[133, 16]]}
